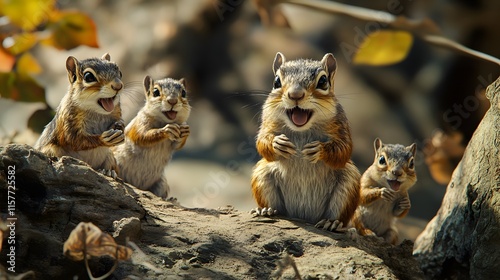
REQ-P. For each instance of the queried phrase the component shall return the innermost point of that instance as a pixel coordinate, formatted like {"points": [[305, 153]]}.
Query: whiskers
{"points": [[132, 99]]}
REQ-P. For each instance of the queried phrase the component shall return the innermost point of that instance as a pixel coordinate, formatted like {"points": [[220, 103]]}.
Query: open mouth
{"points": [[298, 116], [394, 184], [107, 103], [170, 114]]}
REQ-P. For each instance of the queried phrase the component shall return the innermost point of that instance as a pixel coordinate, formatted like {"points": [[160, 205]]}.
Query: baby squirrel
{"points": [[154, 134], [305, 141], [88, 120], [384, 189]]}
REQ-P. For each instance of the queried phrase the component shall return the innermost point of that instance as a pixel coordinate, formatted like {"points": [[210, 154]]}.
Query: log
{"points": [[463, 240]]}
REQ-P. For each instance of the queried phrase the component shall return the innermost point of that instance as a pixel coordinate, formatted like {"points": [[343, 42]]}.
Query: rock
{"points": [[462, 240], [171, 241]]}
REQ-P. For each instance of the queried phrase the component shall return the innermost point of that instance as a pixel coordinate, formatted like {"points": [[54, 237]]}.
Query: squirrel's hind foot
{"points": [[265, 212]]}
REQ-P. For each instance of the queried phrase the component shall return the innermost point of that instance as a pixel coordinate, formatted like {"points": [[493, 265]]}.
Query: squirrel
{"points": [[88, 120], [305, 141], [154, 134], [384, 189]]}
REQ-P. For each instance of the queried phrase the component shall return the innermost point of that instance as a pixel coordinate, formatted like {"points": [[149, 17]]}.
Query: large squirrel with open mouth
{"points": [[306, 171]]}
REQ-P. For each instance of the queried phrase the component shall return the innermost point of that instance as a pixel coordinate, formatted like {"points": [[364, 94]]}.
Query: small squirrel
{"points": [[384, 189], [305, 141], [88, 120], [154, 134]]}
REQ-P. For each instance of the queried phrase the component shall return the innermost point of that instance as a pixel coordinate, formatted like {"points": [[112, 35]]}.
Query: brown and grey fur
{"points": [[306, 172], [151, 137], [82, 128], [380, 204]]}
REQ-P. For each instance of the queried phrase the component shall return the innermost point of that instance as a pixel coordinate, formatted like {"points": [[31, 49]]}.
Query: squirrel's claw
{"points": [[312, 151], [330, 225], [109, 172], [265, 211], [173, 131], [113, 137], [388, 194], [283, 147]]}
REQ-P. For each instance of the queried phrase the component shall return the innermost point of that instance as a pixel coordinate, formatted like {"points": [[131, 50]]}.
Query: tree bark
{"points": [[463, 240]]}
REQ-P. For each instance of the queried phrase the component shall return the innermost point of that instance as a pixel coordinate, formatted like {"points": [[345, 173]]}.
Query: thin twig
{"points": [[392, 21]]}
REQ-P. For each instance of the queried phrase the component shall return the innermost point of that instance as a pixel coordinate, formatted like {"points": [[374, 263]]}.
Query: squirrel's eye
{"points": [[120, 74], [277, 82], [322, 83], [156, 92], [381, 160], [411, 164], [88, 77], [183, 94]]}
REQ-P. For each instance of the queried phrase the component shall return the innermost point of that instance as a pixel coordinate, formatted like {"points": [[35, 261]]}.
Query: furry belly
{"points": [[378, 216], [306, 189], [93, 157]]}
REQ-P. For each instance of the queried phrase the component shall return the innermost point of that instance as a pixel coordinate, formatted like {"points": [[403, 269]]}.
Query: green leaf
{"points": [[70, 29], [27, 14], [21, 87], [384, 48], [40, 119]]}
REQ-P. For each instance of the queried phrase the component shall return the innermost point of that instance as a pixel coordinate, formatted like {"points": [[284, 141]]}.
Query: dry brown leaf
{"points": [[88, 239], [442, 153]]}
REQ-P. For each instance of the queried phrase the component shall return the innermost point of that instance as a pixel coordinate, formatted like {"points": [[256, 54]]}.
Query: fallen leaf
{"points": [[27, 14], [88, 239], [384, 48], [70, 29]]}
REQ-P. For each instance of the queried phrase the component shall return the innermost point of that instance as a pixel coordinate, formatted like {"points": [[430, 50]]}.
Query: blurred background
{"points": [[225, 49]]}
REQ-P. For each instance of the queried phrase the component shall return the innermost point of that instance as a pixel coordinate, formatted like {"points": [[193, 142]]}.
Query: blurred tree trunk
{"points": [[463, 240]]}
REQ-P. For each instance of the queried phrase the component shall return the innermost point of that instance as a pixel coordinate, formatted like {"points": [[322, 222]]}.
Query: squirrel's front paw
{"points": [[184, 130], [313, 151], [112, 137], [283, 146], [118, 125], [387, 194], [404, 204], [173, 131]]}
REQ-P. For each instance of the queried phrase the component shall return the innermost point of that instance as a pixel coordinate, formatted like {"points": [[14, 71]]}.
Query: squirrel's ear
{"points": [[412, 148], [148, 83], [183, 82], [377, 144], [330, 64], [278, 60], [71, 66], [106, 57]]}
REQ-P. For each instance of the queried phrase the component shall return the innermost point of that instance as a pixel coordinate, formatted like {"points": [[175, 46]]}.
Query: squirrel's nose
{"points": [[117, 85], [172, 101], [397, 172], [296, 94]]}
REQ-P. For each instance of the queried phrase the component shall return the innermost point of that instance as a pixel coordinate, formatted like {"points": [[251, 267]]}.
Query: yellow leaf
{"points": [[27, 14], [6, 61], [384, 48], [70, 29], [26, 63], [21, 43]]}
